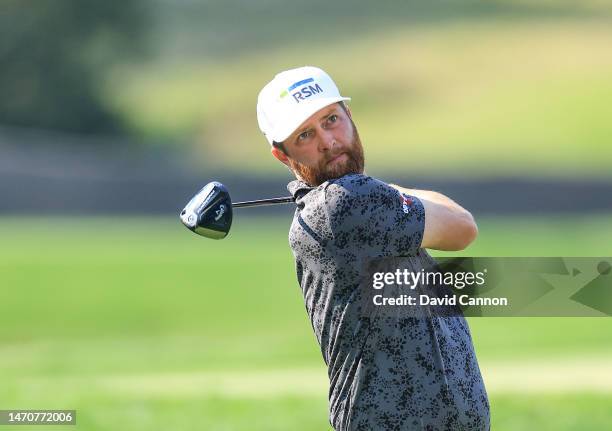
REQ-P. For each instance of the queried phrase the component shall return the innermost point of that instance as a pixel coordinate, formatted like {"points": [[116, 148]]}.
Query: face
{"points": [[324, 147]]}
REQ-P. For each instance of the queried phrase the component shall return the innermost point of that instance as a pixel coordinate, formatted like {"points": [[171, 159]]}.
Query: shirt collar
{"points": [[298, 188]]}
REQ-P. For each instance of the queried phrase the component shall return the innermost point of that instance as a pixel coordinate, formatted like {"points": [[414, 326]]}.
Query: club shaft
{"points": [[262, 202]]}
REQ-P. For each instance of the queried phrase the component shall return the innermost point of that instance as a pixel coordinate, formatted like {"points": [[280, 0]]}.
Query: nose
{"points": [[327, 140]]}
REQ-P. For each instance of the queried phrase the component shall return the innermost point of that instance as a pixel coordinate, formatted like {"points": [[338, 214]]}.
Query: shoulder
{"points": [[352, 184], [357, 191], [357, 201], [340, 204]]}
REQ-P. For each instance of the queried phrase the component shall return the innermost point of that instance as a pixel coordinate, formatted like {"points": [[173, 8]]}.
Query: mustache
{"points": [[333, 156]]}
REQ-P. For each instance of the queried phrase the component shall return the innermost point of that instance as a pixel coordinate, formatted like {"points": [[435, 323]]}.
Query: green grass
{"points": [[576, 412], [139, 324]]}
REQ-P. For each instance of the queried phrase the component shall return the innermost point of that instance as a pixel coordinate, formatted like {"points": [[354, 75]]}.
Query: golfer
{"points": [[386, 371]]}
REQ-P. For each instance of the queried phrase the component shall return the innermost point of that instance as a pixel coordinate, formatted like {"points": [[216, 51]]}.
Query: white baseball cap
{"points": [[291, 98]]}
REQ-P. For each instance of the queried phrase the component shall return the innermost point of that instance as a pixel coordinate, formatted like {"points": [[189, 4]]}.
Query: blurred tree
{"points": [[54, 55]]}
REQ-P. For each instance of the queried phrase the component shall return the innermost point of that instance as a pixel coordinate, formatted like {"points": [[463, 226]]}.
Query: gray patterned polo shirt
{"points": [[387, 370]]}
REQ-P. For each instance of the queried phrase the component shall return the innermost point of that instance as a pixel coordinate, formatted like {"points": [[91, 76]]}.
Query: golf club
{"points": [[209, 212]]}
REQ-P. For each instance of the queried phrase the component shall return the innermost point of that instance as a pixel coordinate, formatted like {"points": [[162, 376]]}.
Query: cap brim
{"points": [[287, 127]]}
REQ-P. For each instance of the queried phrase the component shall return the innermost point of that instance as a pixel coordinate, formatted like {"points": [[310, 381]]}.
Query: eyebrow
{"points": [[305, 129], [329, 114], [300, 131]]}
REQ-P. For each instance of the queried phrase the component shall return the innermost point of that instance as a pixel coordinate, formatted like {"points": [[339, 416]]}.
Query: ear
{"points": [[280, 156]]}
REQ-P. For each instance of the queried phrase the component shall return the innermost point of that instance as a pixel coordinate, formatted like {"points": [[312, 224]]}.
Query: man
{"points": [[387, 370]]}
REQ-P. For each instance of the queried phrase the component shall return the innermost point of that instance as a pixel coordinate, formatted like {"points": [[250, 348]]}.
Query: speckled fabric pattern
{"points": [[387, 371]]}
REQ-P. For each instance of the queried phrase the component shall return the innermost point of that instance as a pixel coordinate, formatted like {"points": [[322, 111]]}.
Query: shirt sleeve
{"points": [[367, 216]]}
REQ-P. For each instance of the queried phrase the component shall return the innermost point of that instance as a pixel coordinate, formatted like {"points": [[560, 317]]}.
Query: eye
{"points": [[332, 118], [304, 135]]}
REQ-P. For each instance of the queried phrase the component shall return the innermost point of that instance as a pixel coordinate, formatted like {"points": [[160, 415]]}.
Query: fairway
{"points": [[141, 325]]}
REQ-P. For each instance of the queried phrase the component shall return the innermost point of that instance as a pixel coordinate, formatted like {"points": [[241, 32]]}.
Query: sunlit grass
{"points": [[139, 324]]}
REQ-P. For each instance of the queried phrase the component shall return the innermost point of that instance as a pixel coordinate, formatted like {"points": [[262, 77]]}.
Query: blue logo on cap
{"points": [[303, 92]]}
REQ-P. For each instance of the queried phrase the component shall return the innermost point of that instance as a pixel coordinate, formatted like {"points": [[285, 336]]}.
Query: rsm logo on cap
{"points": [[304, 92]]}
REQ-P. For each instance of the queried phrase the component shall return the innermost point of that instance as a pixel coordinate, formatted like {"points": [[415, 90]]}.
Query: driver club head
{"points": [[209, 212]]}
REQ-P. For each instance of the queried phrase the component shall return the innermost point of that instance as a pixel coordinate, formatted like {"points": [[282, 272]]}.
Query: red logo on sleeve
{"points": [[406, 203]]}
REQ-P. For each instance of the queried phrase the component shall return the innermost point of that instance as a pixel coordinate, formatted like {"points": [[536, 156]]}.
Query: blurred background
{"points": [[115, 113]]}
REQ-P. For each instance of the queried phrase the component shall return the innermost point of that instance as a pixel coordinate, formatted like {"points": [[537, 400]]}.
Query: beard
{"points": [[317, 175]]}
